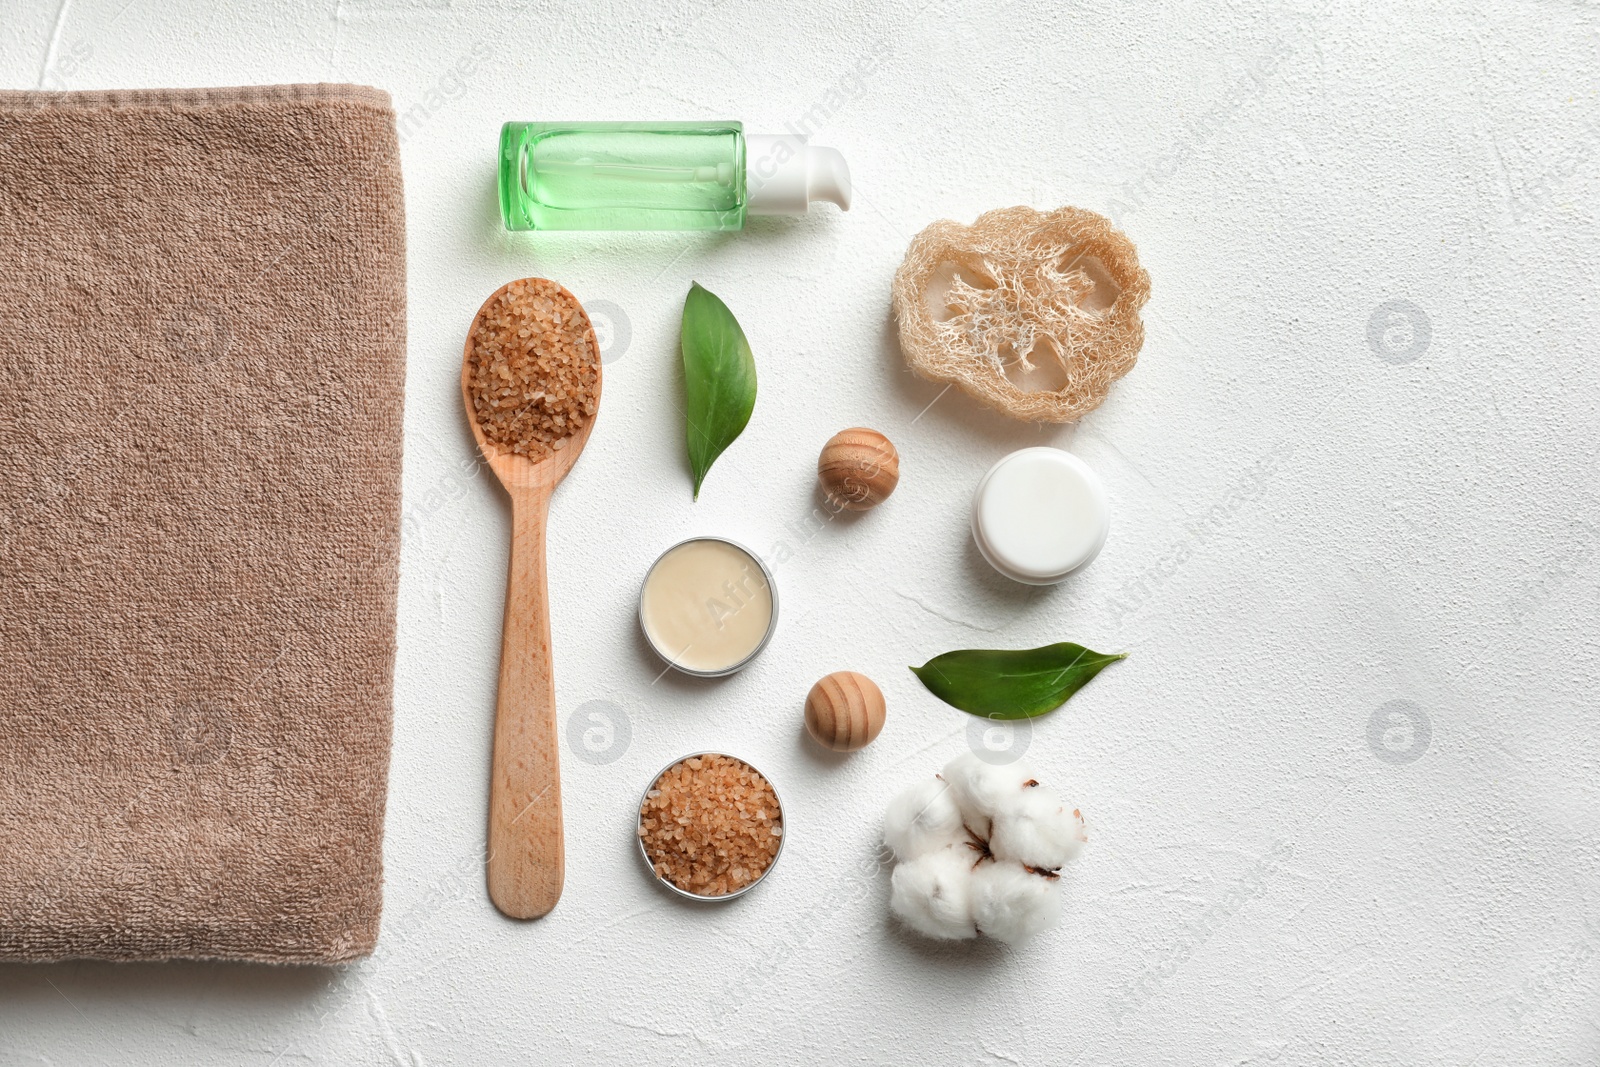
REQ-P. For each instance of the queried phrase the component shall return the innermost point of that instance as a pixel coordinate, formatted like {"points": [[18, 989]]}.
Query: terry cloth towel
{"points": [[202, 344]]}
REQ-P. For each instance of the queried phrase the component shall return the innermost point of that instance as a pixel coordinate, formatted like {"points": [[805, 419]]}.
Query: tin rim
{"points": [[645, 856], [772, 624]]}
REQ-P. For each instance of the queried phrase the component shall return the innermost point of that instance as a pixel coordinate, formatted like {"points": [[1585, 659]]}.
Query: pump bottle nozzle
{"points": [[784, 174]]}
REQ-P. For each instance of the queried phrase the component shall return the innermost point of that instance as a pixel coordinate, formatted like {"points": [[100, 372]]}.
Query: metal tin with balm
{"points": [[1039, 515], [708, 606]]}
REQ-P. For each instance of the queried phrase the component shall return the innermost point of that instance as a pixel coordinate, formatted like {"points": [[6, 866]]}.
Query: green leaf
{"points": [[719, 375], [1000, 684]]}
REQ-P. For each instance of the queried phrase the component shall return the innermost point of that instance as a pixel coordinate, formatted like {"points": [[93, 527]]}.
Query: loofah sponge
{"points": [[1033, 313]]}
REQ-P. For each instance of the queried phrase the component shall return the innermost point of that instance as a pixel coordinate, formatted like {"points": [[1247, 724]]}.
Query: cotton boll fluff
{"points": [[932, 894], [978, 846], [1012, 903], [1039, 830], [982, 788], [923, 819]]}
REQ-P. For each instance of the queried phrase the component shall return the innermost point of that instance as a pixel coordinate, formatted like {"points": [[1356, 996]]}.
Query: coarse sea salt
{"points": [[710, 825], [534, 369]]}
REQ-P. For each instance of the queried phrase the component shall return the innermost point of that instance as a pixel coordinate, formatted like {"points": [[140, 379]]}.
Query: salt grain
{"points": [[522, 348], [711, 849]]}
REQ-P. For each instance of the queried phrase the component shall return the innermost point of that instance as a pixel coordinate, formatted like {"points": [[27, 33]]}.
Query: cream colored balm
{"points": [[708, 606]]}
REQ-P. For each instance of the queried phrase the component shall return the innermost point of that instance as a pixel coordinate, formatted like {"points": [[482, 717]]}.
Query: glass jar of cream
{"points": [[1040, 514]]}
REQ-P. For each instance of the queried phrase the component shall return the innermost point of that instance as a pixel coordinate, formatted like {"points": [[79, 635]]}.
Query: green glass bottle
{"points": [[658, 175]]}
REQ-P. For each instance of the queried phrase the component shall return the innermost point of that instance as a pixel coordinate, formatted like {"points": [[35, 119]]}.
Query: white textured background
{"points": [[1356, 465]]}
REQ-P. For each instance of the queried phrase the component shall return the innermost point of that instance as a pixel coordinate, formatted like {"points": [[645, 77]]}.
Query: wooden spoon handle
{"points": [[526, 863]]}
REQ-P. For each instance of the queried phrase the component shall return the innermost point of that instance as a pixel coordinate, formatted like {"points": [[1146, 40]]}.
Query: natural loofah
{"points": [[1051, 298]]}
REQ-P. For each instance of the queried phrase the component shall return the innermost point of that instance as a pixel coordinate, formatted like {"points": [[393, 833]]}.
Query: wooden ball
{"points": [[844, 711], [858, 468]]}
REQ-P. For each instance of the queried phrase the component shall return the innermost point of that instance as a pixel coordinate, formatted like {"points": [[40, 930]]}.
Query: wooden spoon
{"points": [[526, 857]]}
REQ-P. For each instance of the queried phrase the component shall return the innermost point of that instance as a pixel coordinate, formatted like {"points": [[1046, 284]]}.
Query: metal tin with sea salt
{"points": [[645, 856]]}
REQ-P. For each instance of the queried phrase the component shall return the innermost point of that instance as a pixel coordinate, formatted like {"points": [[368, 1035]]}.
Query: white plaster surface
{"points": [[1316, 513]]}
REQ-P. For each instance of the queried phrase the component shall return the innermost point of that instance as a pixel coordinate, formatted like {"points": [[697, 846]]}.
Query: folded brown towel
{"points": [[202, 344]]}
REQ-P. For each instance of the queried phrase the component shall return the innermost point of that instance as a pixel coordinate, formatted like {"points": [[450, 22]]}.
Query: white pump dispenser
{"points": [[784, 174]]}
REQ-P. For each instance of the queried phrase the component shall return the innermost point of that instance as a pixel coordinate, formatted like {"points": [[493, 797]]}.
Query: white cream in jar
{"points": [[708, 606], [1040, 514]]}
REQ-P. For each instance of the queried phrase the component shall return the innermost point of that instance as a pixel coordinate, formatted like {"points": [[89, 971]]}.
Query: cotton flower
{"points": [[1012, 903], [1039, 830], [933, 895], [978, 846], [923, 819], [982, 788]]}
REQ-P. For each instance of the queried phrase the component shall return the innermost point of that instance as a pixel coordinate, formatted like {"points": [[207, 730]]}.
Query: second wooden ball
{"points": [[858, 468], [845, 711]]}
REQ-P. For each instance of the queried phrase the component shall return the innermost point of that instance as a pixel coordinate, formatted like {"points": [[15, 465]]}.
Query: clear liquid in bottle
{"points": [[623, 176]]}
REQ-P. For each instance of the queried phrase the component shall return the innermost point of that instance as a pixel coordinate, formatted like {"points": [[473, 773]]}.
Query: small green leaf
{"points": [[1001, 684], [719, 374]]}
